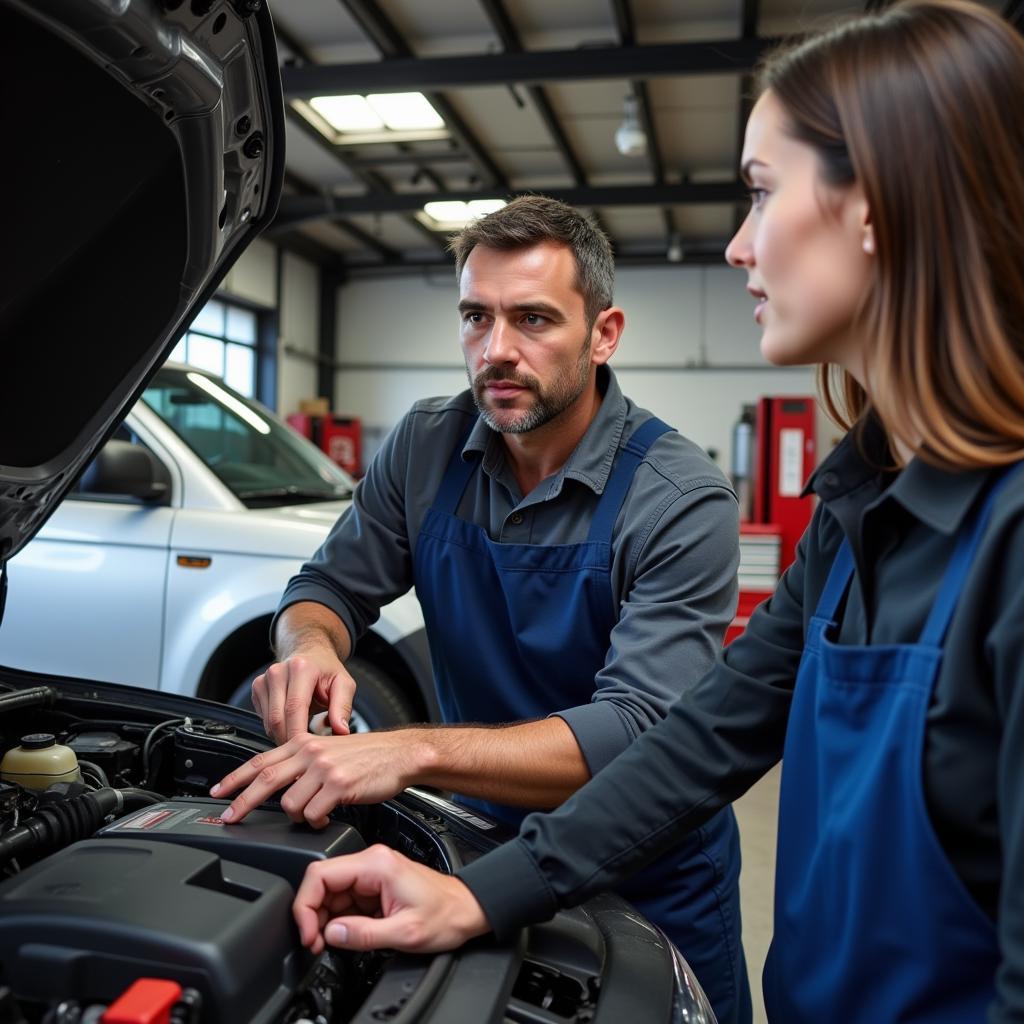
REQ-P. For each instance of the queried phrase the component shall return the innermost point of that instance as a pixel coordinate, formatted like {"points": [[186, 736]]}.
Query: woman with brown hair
{"points": [[885, 242]]}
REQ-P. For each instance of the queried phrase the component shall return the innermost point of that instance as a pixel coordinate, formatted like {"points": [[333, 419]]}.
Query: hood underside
{"points": [[145, 150]]}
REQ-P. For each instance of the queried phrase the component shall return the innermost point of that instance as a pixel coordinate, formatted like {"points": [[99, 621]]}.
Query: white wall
{"points": [[299, 329], [254, 278], [689, 353]]}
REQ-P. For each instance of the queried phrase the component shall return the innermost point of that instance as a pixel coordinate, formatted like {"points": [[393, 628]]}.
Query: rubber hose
{"points": [[29, 698], [61, 824]]}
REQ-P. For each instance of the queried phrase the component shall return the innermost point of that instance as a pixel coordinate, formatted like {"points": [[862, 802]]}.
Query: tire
{"points": [[379, 702]]}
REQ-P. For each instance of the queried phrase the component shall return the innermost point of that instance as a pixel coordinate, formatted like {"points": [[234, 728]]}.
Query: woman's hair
{"points": [[923, 106]]}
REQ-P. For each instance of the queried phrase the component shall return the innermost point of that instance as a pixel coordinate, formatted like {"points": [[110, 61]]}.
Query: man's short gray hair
{"points": [[531, 220]]}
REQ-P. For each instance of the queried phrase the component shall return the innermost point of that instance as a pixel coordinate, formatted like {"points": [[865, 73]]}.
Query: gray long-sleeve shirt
{"points": [[723, 734], [674, 548]]}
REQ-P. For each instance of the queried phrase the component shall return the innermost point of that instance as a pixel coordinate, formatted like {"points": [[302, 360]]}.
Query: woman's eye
{"points": [[757, 197]]}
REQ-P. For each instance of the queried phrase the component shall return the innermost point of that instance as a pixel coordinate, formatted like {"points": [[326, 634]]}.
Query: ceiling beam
{"points": [[428, 73], [309, 249], [506, 32], [405, 159], [298, 209], [297, 49], [366, 239], [396, 51], [354, 231]]}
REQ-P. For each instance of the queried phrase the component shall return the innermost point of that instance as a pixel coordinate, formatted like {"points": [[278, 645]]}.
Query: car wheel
{"points": [[379, 703]]}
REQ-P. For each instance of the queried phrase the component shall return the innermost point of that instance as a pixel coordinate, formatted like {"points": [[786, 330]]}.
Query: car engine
{"points": [[125, 899], [116, 867]]}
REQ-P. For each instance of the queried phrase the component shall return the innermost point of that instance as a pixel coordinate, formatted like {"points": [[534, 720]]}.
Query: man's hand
{"points": [[323, 772], [378, 899], [290, 691]]}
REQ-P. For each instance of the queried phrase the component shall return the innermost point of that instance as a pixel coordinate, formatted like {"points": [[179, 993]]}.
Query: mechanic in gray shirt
{"points": [[575, 559]]}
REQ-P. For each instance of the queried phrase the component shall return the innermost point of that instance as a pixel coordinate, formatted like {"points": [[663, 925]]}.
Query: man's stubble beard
{"points": [[545, 407]]}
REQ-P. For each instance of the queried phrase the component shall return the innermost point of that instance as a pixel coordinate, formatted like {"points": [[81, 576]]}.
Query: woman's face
{"points": [[806, 247]]}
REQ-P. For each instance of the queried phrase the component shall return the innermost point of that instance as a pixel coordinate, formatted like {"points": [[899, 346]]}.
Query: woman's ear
{"points": [[864, 222]]}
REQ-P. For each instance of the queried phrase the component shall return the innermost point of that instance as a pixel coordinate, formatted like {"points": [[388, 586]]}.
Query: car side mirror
{"points": [[124, 470]]}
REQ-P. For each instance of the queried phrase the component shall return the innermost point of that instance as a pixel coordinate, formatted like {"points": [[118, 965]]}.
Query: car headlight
{"points": [[689, 1003]]}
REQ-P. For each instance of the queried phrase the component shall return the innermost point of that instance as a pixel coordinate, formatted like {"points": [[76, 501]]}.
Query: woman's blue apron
{"points": [[519, 631], [872, 923]]}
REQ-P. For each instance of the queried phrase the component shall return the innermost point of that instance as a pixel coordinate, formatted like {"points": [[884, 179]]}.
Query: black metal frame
{"points": [[428, 74], [399, 69]]}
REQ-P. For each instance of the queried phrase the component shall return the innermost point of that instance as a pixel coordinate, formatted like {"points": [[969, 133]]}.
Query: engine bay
{"points": [[116, 866], [125, 899]]}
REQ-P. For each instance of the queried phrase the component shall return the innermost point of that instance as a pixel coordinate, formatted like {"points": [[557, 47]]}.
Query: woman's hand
{"points": [[378, 899]]}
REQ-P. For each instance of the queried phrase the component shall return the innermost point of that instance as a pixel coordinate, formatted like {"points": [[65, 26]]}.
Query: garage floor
{"points": [[757, 813]]}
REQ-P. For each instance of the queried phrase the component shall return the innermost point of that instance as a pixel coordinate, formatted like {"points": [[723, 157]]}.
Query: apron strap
{"points": [[456, 475], [839, 577], [968, 540], [621, 477]]}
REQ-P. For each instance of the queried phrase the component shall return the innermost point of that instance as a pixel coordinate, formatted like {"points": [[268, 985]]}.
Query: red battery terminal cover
{"points": [[146, 1001]]}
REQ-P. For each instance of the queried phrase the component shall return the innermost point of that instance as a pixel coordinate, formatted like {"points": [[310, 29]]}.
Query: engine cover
{"points": [[90, 919], [266, 839]]}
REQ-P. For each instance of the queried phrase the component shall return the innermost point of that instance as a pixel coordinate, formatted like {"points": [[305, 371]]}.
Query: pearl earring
{"points": [[869, 244]]}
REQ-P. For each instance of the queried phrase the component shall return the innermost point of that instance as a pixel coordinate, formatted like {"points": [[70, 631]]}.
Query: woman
{"points": [[885, 242]]}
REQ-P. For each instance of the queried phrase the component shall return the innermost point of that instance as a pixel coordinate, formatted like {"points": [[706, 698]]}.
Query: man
{"points": [[575, 560]]}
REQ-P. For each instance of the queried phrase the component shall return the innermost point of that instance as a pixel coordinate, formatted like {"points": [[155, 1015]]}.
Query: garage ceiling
{"points": [[531, 93]]}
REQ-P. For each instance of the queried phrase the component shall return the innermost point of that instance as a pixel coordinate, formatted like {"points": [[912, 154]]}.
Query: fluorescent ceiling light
{"points": [[450, 216], [397, 111], [347, 113], [447, 211], [401, 111]]}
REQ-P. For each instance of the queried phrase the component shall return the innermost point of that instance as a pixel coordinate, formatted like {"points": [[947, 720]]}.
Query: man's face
{"points": [[524, 335]]}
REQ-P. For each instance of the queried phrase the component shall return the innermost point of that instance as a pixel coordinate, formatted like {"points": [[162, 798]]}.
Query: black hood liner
{"points": [[130, 194], [101, 241]]}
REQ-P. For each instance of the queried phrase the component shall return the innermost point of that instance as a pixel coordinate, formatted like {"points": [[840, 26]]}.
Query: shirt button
{"points": [[516, 518]]}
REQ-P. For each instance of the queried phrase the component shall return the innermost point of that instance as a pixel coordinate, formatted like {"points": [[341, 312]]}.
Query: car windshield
{"points": [[262, 461]]}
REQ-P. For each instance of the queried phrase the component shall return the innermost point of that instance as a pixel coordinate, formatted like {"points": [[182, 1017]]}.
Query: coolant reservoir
{"points": [[39, 762]]}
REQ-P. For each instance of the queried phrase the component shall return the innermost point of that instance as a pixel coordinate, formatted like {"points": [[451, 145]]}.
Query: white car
{"points": [[163, 567]]}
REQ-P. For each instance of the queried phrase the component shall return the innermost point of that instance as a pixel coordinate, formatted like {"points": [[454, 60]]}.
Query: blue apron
{"points": [[872, 923], [519, 631]]}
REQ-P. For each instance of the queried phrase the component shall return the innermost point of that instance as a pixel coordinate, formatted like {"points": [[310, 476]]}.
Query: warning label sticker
{"points": [[166, 818]]}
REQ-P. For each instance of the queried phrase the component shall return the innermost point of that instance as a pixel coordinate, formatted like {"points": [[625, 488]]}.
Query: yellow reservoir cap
{"points": [[39, 762]]}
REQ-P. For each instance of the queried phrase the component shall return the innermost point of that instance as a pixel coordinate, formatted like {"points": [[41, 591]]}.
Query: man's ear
{"points": [[605, 334]]}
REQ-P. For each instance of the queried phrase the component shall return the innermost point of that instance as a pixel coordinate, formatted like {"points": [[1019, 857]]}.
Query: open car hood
{"points": [[145, 150]]}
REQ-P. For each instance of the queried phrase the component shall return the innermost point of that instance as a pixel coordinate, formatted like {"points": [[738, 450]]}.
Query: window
{"points": [[223, 340]]}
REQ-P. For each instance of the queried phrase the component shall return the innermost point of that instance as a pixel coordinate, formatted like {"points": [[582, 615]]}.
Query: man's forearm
{"points": [[533, 764], [308, 624]]}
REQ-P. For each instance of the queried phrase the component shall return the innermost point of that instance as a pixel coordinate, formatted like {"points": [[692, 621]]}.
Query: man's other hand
{"points": [[379, 899], [290, 691]]}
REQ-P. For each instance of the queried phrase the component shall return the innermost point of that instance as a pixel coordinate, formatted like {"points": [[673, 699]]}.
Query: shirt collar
{"points": [[940, 498], [591, 459]]}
